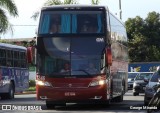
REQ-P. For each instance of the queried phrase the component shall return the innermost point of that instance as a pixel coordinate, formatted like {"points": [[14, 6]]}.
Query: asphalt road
{"points": [[22, 103]]}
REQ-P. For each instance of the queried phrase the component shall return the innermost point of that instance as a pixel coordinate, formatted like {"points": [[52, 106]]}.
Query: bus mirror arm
{"points": [[30, 54], [108, 56]]}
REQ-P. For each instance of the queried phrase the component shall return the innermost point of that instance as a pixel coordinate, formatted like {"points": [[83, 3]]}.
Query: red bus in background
{"points": [[81, 55]]}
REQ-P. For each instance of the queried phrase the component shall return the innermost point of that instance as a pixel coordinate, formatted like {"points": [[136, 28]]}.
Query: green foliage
{"points": [[32, 83], [3, 41], [10, 7], [144, 38], [95, 2], [20, 43], [59, 2], [54, 2], [31, 89]]}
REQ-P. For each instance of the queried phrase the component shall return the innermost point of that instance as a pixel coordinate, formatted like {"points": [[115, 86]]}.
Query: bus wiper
{"points": [[83, 71]]}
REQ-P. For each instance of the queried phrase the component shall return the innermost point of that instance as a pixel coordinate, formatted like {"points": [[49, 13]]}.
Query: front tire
{"points": [[10, 94], [135, 93], [50, 105], [120, 98], [145, 101]]}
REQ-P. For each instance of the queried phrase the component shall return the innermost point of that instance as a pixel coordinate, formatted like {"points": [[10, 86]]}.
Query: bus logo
{"points": [[99, 40]]}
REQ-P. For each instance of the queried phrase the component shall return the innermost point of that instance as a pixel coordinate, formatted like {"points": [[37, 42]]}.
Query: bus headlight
{"points": [[96, 83], [43, 83]]}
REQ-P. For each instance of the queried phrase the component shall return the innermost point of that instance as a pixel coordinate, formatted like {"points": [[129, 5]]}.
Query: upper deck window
{"points": [[75, 22]]}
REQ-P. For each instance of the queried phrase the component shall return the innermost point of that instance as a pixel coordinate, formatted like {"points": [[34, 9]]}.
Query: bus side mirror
{"points": [[108, 56], [30, 54]]}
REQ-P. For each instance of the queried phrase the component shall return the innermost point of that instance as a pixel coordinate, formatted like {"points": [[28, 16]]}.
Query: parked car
{"points": [[139, 83], [149, 91], [131, 77]]}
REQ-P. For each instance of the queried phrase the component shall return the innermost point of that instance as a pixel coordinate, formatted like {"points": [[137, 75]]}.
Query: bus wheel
{"points": [[135, 93], [103, 103], [10, 94], [120, 98], [49, 105]]}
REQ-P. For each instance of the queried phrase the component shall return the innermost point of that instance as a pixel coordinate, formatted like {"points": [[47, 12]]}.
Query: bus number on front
{"points": [[69, 94]]}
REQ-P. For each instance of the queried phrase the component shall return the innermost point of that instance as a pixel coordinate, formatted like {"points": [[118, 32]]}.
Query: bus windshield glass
{"points": [[70, 56], [71, 22]]}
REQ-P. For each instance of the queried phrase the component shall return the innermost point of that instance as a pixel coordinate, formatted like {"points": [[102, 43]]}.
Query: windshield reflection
{"points": [[70, 56]]}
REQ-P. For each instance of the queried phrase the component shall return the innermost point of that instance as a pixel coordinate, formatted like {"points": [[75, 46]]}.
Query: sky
{"points": [[25, 27]]}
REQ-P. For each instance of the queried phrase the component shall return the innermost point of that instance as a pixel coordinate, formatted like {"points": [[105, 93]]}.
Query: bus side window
{"points": [[2, 57], [9, 58], [22, 60], [16, 58], [9, 63]]}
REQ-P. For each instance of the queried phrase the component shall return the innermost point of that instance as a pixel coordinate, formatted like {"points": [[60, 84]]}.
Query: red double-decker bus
{"points": [[81, 55]]}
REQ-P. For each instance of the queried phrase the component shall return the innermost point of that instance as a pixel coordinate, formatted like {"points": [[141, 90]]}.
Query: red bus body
{"points": [[106, 48], [72, 90]]}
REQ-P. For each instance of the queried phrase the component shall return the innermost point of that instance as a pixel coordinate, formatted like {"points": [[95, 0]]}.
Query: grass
{"points": [[31, 88]]}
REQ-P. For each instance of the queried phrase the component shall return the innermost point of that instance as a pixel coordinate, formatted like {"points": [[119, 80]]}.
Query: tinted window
{"points": [[142, 76], [132, 75], [118, 30], [59, 22], [74, 53], [155, 77], [2, 57], [9, 58]]}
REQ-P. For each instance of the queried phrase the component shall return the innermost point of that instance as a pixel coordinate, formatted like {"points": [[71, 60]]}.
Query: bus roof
{"points": [[73, 6], [11, 46], [78, 6]]}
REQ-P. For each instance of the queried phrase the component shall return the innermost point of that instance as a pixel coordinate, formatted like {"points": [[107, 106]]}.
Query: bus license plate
{"points": [[70, 94]]}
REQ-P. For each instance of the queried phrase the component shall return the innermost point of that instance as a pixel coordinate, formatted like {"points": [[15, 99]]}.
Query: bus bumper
{"points": [[97, 93]]}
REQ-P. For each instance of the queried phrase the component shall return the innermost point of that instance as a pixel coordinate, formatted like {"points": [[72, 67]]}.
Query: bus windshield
{"points": [[75, 22], [70, 56]]}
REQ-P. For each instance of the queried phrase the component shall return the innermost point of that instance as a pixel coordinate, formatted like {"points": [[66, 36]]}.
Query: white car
{"points": [[131, 77], [139, 84]]}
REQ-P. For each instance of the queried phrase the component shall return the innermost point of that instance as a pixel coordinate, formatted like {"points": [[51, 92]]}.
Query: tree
{"points": [[144, 38], [10, 7], [134, 26], [95, 2], [58, 2], [54, 2]]}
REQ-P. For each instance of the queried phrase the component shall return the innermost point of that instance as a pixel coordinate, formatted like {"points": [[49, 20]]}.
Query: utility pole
{"points": [[120, 10]]}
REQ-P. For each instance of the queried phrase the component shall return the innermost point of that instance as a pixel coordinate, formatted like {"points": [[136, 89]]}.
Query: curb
{"points": [[26, 92]]}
